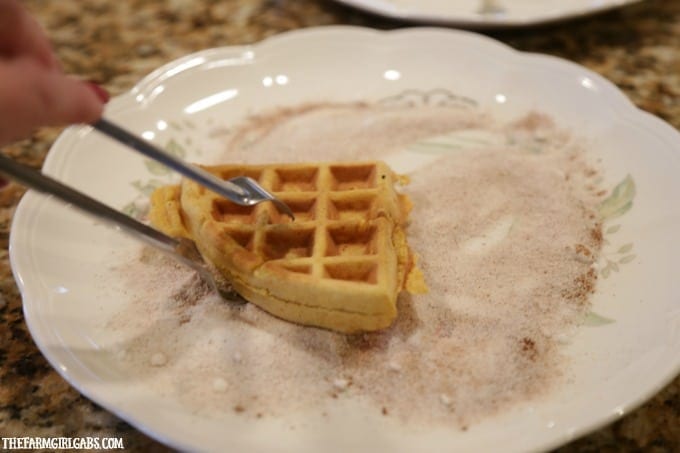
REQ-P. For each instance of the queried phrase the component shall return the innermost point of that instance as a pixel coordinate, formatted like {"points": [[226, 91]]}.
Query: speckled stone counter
{"points": [[117, 42]]}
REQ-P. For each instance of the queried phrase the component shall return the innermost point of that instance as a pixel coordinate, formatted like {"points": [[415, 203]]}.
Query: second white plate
{"points": [[485, 13]]}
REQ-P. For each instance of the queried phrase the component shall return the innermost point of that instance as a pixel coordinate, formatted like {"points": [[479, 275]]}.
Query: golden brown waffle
{"points": [[339, 265]]}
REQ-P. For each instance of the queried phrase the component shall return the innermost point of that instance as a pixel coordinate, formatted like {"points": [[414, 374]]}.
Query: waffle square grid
{"points": [[335, 234]]}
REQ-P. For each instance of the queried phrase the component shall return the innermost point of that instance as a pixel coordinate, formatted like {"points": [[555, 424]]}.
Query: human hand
{"points": [[34, 91]]}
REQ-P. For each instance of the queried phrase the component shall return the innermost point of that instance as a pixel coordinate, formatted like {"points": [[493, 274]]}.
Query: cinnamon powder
{"points": [[506, 236]]}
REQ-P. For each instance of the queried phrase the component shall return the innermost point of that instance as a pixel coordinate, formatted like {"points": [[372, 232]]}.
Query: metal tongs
{"points": [[241, 190]]}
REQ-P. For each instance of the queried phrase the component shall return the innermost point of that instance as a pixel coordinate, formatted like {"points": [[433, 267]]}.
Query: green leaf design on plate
{"points": [[627, 259], [130, 209], [625, 248], [612, 229], [174, 148], [156, 168], [611, 266], [594, 320], [619, 201], [433, 148], [456, 140], [146, 188]]}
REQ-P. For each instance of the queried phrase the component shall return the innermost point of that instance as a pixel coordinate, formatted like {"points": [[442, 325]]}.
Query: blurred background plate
{"points": [[485, 13]]}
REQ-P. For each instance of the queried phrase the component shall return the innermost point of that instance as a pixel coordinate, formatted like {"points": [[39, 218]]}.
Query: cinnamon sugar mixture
{"points": [[506, 232]]}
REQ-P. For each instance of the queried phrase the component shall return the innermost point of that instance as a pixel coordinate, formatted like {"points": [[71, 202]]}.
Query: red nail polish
{"points": [[101, 93]]}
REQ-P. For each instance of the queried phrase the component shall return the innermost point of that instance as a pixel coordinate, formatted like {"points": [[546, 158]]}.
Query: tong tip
{"points": [[283, 207]]}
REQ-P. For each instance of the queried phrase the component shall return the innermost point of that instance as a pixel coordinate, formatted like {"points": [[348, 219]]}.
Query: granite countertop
{"points": [[117, 42]]}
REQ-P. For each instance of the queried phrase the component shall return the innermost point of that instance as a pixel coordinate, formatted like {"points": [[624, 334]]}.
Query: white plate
{"points": [[60, 258], [485, 13]]}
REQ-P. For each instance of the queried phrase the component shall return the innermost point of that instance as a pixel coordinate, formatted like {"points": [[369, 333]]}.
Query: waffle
{"points": [[339, 265]]}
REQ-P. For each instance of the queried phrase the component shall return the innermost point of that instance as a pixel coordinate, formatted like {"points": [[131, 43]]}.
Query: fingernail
{"points": [[101, 93], [3, 182]]}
